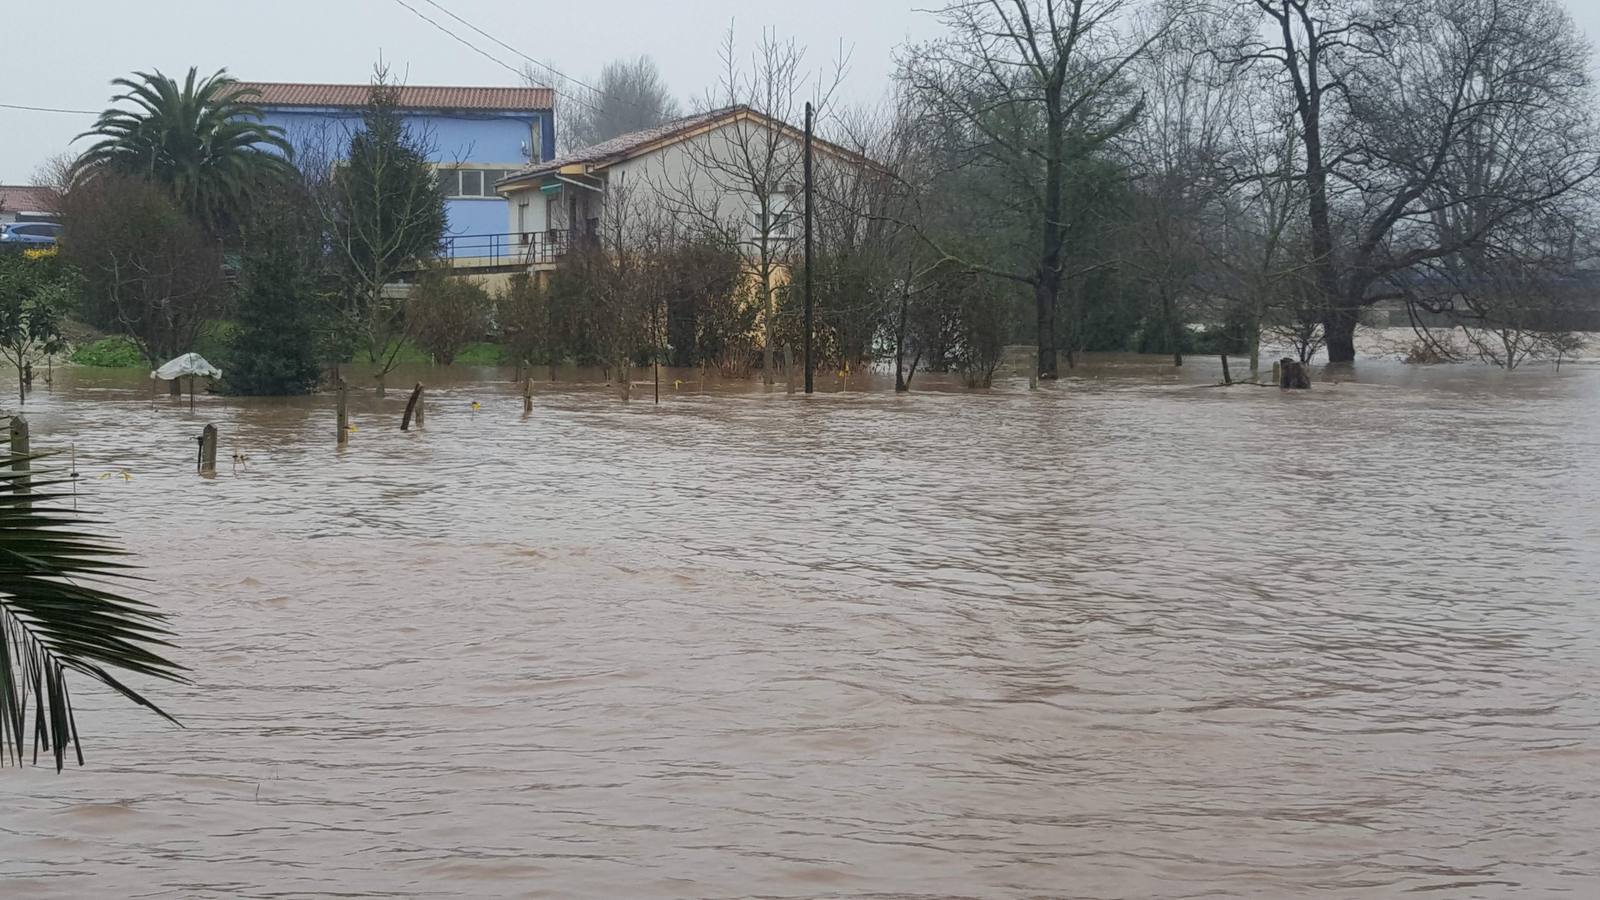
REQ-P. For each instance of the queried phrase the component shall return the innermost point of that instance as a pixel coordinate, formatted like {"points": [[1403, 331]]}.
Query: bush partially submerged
{"points": [[115, 352], [446, 314]]}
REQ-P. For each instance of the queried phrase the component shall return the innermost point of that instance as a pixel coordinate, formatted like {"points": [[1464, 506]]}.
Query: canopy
{"points": [[187, 364]]}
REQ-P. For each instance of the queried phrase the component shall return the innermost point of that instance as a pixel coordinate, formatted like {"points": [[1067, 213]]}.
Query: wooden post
{"points": [[413, 408], [344, 419], [527, 396], [19, 455], [191, 393], [208, 450]]}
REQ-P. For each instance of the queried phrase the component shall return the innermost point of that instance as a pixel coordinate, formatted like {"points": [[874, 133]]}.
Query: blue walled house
{"points": [[479, 135]]}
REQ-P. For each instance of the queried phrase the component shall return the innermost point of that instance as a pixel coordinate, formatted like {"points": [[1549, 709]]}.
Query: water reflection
{"points": [[1125, 635]]}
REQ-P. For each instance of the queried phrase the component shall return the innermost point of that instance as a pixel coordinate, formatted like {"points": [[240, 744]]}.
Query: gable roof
{"points": [[26, 198], [627, 146], [488, 99]]}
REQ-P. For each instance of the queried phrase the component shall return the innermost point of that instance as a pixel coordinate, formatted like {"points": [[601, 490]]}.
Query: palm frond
{"points": [[58, 612]]}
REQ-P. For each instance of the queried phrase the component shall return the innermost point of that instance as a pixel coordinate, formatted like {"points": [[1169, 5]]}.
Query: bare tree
{"points": [[628, 96], [742, 180], [149, 271], [385, 217], [1027, 88], [1177, 152], [1390, 97]]}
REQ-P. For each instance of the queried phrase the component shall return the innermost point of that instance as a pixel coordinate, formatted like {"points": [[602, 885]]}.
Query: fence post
{"points": [[19, 456], [208, 450], [413, 407], [527, 395], [344, 419]]}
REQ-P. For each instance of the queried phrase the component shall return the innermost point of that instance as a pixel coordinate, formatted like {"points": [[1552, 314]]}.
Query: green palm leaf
{"points": [[58, 612], [204, 139]]}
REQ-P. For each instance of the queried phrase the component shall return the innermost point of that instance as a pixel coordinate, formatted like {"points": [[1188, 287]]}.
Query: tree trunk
{"points": [[900, 385], [768, 362], [1044, 297], [1339, 332], [1047, 282]]}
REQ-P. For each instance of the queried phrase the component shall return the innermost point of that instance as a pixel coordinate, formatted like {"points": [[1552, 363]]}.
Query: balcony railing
{"points": [[511, 249]]}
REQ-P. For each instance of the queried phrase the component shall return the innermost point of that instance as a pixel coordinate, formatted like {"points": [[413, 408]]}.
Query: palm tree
{"points": [[205, 140], [56, 614]]}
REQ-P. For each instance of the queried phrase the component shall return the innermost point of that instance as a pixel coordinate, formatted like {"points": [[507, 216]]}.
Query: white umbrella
{"points": [[190, 364]]}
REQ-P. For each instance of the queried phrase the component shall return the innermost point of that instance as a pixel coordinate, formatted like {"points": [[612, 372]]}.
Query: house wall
{"points": [[660, 182], [492, 140]]}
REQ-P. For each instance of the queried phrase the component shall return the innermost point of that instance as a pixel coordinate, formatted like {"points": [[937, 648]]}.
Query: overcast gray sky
{"points": [[62, 53]]}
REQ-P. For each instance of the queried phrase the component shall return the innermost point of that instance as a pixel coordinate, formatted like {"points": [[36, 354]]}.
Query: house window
{"points": [[781, 212], [460, 181]]}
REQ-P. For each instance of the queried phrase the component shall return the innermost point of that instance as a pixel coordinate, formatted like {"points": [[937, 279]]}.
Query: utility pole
{"points": [[808, 364]]}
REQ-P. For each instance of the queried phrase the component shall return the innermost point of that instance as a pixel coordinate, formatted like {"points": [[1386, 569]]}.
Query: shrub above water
{"points": [[114, 352]]}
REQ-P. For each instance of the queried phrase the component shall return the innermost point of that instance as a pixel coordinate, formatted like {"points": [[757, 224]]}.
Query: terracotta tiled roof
{"points": [[622, 144], [512, 99], [26, 198]]}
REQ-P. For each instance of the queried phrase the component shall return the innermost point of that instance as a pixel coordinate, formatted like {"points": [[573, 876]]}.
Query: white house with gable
{"points": [[733, 169]]}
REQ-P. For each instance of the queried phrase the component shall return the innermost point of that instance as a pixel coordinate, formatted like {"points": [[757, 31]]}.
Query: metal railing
{"points": [[509, 249]]}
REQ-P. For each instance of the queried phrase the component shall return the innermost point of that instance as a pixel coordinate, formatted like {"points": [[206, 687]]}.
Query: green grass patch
{"points": [[482, 353], [110, 353]]}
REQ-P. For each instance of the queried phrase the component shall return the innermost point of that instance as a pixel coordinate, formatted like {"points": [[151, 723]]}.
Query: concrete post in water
{"points": [[343, 417], [19, 454], [208, 450], [413, 408], [1033, 381]]}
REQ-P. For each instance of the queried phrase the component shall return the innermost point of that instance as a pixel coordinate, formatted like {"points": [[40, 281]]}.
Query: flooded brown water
{"points": [[1124, 636]]}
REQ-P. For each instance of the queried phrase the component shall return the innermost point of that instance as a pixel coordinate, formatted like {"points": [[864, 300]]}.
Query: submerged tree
{"points": [[446, 314], [149, 271], [1025, 90], [279, 303], [385, 218], [58, 614], [742, 180], [34, 294], [1423, 129]]}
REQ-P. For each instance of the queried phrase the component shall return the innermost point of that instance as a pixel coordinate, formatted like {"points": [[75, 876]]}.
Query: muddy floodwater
{"points": [[1128, 635]]}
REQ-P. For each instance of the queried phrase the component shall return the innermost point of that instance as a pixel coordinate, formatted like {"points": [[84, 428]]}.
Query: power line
{"points": [[50, 109], [546, 66], [486, 54], [463, 41]]}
